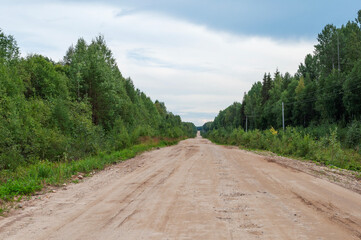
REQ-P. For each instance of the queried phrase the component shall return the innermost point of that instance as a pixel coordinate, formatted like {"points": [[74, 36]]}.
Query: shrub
{"points": [[118, 137], [11, 158], [353, 135], [293, 142]]}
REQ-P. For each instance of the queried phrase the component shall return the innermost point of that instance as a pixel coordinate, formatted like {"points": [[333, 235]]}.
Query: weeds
{"points": [[26, 180], [292, 142]]}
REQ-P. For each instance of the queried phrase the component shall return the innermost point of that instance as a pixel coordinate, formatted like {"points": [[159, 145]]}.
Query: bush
{"points": [[293, 142], [353, 135], [12, 158], [118, 137]]}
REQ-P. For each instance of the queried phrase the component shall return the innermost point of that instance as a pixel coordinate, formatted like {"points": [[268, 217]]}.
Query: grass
{"points": [[326, 150], [26, 180]]}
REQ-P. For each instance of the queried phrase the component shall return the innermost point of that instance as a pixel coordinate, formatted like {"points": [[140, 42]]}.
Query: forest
{"points": [[76, 116], [75, 108], [322, 105]]}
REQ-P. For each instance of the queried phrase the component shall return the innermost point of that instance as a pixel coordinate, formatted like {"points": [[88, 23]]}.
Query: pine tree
{"points": [[266, 87]]}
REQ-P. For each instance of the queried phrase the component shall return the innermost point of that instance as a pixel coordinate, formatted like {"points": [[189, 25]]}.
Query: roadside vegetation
{"points": [[322, 105], [79, 114], [293, 142], [28, 179]]}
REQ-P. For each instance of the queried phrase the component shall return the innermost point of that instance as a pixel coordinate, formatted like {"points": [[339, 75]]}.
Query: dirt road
{"points": [[194, 190]]}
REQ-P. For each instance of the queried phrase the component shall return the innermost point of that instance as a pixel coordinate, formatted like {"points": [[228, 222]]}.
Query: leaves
{"points": [[69, 110]]}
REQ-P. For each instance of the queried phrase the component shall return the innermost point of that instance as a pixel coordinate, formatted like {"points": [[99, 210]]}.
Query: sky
{"points": [[196, 56]]}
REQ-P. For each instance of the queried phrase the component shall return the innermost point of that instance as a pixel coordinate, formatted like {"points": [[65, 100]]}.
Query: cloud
{"points": [[196, 71], [276, 18]]}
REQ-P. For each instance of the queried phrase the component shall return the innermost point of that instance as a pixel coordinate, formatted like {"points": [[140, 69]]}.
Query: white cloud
{"points": [[191, 68]]}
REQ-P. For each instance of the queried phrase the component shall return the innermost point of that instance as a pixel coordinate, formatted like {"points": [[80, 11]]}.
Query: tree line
{"points": [[74, 108], [325, 91]]}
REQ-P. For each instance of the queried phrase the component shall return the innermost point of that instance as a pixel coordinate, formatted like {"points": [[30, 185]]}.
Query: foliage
{"points": [[325, 89], [292, 142], [9, 51], [353, 136], [323, 94], [273, 131], [26, 180], [73, 109]]}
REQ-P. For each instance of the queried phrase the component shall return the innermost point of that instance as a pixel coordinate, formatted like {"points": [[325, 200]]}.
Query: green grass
{"points": [[326, 150], [26, 180]]}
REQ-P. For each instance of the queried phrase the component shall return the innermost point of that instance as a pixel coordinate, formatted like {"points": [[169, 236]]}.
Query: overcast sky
{"points": [[196, 56]]}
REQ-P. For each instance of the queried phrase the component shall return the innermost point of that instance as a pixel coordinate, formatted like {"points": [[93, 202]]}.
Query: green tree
{"points": [[329, 97], [266, 87], [326, 49], [351, 87], [41, 79], [9, 50]]}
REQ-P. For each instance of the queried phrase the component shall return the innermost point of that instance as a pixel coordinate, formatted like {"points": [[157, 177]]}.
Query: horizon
{"points": [[196, 60]]}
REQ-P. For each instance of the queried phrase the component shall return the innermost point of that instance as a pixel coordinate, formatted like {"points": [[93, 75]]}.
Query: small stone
{"points": [[53, 191], [64, 184], [80, 177], [20, 206]]}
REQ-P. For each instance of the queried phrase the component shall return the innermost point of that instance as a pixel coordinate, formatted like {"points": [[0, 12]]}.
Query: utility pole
{"points": [[246, 123], [283, 116]]}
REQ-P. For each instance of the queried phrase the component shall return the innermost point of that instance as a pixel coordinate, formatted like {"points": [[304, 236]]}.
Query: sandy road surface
{"points": [[194, 190]]}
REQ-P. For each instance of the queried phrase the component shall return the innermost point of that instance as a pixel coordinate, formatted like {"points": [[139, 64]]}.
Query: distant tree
{"points": [[351, 87], [286, 80], [41, 78], [350, 38], [9, 51], [253, 104], [266, 87], [329, 97], [326, 49], [310, 67]]}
